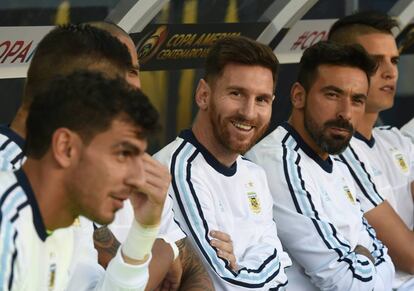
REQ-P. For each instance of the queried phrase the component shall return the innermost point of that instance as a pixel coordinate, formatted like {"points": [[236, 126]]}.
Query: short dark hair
{"points": [[331, 53], [70, 47], [239, 50], [347, 28], [87, 103], [110, 27]]}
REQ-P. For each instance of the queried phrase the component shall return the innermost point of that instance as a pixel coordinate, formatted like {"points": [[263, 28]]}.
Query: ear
{"points": [[298, 96], [202, 94], [65, 147]]}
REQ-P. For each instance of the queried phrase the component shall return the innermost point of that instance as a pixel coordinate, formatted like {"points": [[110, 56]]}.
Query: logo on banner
{"points": [[308, 38], [152, 44], [19, 51]]}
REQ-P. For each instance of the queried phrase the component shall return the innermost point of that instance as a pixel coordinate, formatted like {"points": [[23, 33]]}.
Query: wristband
{"points": [[139, 241]]}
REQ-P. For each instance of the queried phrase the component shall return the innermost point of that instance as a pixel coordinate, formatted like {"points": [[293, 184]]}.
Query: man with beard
{"points": [[382, 152], [213, 186], [319, 218]]}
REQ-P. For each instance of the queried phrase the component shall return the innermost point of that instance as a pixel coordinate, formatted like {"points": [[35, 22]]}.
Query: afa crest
{"points": [[401, 162], [349, 194], [254, 202]]}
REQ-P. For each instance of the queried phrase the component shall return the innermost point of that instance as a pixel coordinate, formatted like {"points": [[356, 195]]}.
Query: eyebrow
{"points": [[378, 57], [243, 90], [333, 88], [359, 96], [128, 146]]}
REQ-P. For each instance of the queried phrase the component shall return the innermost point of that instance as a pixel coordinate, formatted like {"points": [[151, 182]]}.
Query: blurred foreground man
{"points": [[80, 164]]}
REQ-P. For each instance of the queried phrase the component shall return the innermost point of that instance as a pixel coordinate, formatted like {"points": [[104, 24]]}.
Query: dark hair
{"points": [[239, 50], [85, 102], [347, 28], [110, 27], [71, 47], [330, 53]]}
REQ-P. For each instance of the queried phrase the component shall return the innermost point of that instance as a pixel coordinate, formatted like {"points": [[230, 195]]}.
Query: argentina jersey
{"points": [[11, 149], [30, 257], [236, 200], [320, 222], [390, 157]]}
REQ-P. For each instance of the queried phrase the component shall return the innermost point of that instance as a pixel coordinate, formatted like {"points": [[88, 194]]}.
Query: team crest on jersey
{"points": [[400, 161], [52, 276], [349, 194], [254, 202]]}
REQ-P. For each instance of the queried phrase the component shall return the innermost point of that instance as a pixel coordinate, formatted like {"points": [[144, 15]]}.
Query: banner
{"points": [[17, 45], [301, 36], [184, 46]]}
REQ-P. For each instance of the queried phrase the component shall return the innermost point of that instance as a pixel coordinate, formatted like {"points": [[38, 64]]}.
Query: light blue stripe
{"points": [[8, 154], [197, 224], [7, 227], [362, 175], [307, 209]]}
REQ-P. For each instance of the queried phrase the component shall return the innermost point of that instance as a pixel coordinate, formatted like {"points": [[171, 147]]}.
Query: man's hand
{"points": [[365, 252], [148, 199], [222, 241]]}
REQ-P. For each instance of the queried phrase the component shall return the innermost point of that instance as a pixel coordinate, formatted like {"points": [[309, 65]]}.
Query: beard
{"points": [[229, 141], [332, 144]]}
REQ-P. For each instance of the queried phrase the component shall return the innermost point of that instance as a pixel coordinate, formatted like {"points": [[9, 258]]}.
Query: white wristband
{"points": [[139, 241]]}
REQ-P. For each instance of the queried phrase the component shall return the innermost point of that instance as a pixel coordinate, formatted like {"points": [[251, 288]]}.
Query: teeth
{"points": [[242, 126]]}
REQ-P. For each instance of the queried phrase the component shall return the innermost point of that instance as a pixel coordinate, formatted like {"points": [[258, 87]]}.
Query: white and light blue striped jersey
{"points": [[236, 200], [408, 129], [319, 218], [11, 149], [29, 258], [389, 159]]}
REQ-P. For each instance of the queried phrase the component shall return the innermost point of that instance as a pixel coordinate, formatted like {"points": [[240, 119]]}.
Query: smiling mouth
{"points": [[242, 126]]}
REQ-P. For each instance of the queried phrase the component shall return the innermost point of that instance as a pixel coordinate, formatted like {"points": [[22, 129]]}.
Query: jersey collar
{"points": [[370, 142], [13, 136], [189, 136], [326, 165], [37, 217]]}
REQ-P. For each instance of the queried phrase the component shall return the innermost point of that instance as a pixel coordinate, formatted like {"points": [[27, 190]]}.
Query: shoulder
{"points": [[166, 153], [394, 137], [269, 148]]}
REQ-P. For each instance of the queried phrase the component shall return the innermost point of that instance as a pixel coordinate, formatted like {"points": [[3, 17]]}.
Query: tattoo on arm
{"points": [[106, 244], [195, 276]]}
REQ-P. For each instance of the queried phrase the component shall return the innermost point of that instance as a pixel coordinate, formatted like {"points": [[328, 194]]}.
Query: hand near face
{"points": [[149, 196], [222, 241]]}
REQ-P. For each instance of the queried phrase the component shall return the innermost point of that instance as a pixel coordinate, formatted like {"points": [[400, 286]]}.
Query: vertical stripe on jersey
{"points": [[192, 212], [378, 252], [10, 152], [361, 176], [302, 199], [12, 263], [11, 204]]}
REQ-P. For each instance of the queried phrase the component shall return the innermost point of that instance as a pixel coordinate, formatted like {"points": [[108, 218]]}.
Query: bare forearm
{"points": [[106, 244], [162, 257], [393, 232], [195, 276]]}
